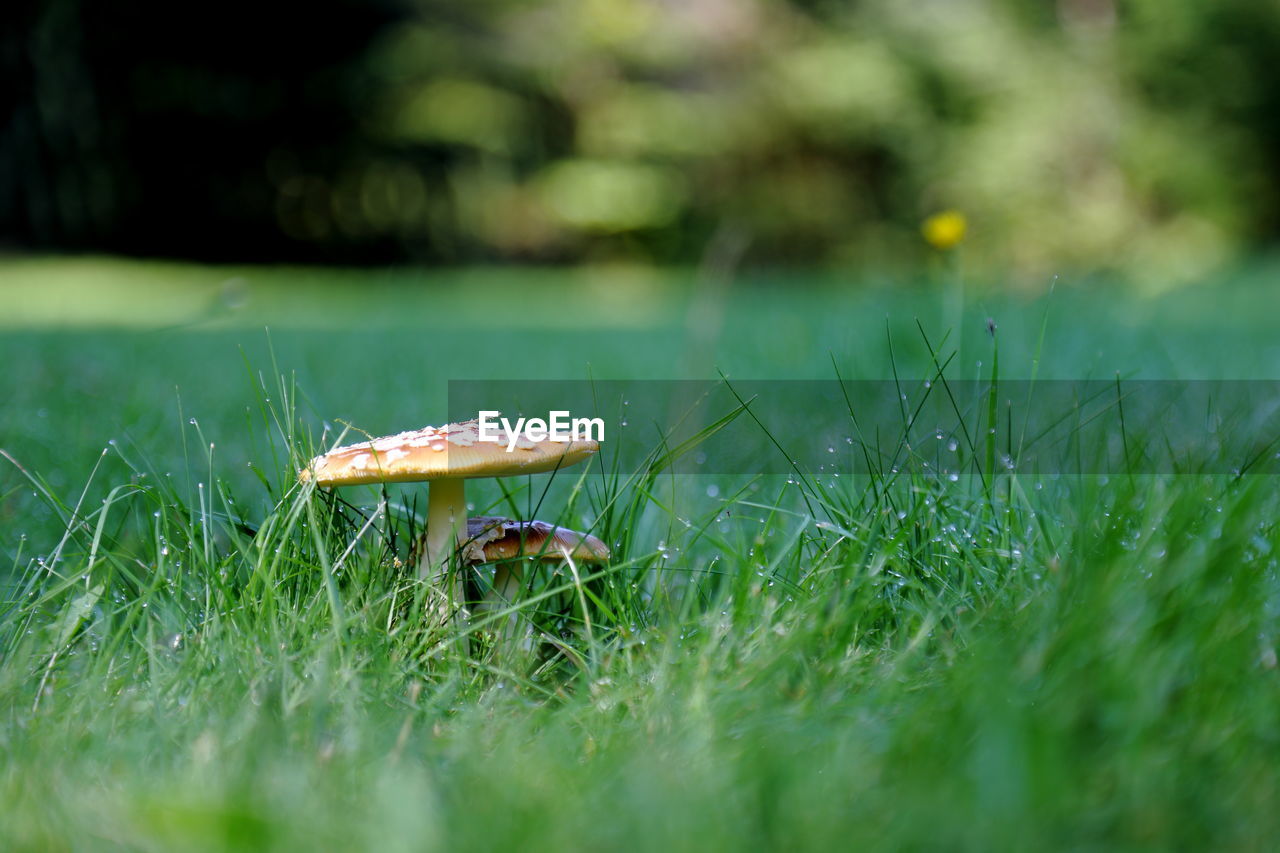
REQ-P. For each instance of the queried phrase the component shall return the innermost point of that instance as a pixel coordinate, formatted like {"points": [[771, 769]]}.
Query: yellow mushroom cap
{"points": [[449, 452], [490, 539]]}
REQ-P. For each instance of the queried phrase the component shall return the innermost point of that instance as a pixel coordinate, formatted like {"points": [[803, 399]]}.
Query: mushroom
{"points": [[490, 539], [504, 541], [448, 456]]}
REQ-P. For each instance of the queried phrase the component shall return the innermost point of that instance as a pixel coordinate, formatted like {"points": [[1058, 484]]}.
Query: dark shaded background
{"points": [[1141, 136], [156, 128]]}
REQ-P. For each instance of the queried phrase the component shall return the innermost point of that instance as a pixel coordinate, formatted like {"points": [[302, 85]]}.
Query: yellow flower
{"points": [[944, 230]]}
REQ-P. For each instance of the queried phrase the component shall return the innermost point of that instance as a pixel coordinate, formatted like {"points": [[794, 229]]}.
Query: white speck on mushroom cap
{"points": [[462, 434]]}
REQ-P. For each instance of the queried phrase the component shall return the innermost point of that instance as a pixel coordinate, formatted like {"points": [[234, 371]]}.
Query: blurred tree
{"points": [[1133, 135]]}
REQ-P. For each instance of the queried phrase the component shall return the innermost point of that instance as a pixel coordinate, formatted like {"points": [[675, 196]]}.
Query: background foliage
{"points": [[1133, 135]]}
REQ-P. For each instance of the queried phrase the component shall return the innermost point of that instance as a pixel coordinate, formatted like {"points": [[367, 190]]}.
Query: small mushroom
{"points": [[495, 539], [507, 542], [448, 456]]}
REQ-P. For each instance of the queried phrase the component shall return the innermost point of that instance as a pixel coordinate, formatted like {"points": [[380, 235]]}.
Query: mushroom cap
{"points": [[449, 452], [490, 539]]}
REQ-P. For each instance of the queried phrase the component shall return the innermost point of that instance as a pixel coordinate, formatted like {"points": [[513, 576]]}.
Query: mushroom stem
{"points": [[446, 526], [508, 580]]}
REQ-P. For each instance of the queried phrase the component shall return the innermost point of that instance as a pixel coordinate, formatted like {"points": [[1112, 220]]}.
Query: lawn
{"points": [[199, 653]]}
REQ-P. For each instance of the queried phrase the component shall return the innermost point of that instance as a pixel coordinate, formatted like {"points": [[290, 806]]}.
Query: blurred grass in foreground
{"points": [[824, 663]]}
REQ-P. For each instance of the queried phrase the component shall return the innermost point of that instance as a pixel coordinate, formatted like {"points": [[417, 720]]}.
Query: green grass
{"points": [[826, 664]]}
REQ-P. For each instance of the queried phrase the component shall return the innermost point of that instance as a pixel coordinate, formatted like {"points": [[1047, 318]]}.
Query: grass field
{"points": [[200, 654]]}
